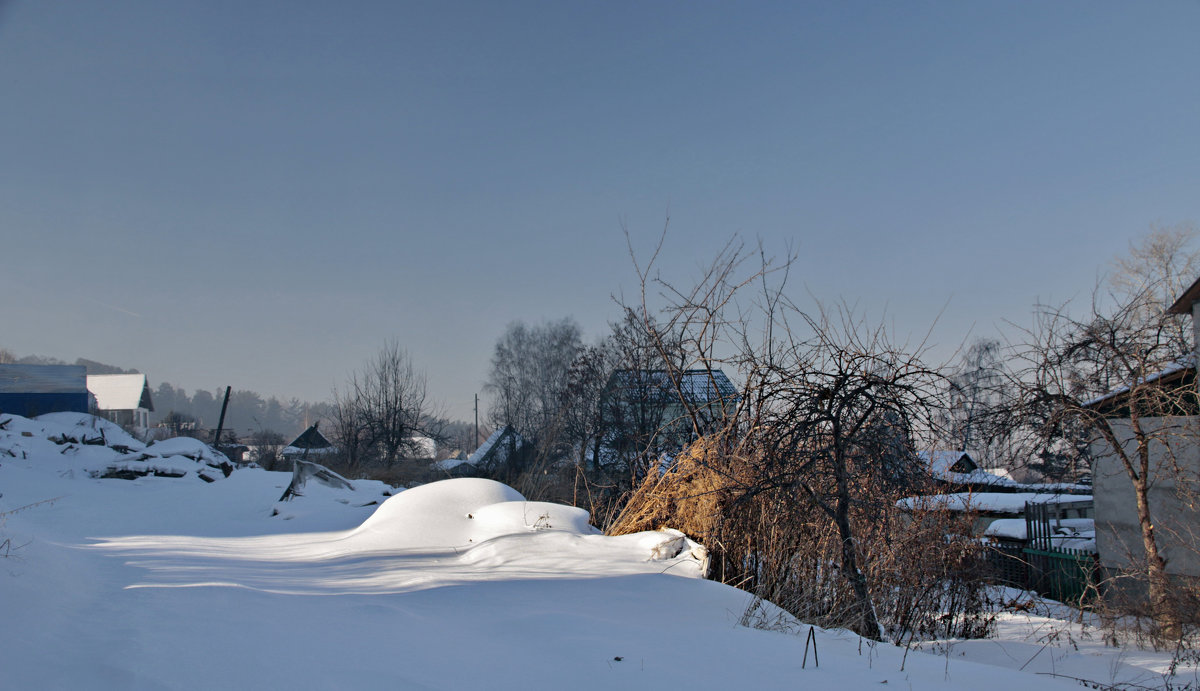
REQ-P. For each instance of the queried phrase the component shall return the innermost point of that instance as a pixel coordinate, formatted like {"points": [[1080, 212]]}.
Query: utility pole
{"points": [[476, 421], [221, 422]]}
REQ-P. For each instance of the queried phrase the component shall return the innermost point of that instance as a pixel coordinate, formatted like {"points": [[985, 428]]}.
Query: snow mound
{"points": [[441, 514], [517, 516]]}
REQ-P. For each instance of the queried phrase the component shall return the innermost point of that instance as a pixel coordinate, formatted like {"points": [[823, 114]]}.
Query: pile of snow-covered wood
{"points": [[103, 449]]}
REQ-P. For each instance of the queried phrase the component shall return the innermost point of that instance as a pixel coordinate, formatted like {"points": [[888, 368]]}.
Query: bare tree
{"points": [[838, 408], [974, 391], [386, 406], [583, 405], [640, 401], [531, 371], [350, 432], [1157, 269], [268, 446], [827, 418]]}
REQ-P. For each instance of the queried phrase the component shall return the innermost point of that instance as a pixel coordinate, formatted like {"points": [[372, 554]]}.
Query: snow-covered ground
{"points": [[206, 581], [1051, 640]]}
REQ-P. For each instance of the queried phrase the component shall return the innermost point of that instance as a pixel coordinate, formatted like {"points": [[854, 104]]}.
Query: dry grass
{"points": [[690, 496], [773, 542]]}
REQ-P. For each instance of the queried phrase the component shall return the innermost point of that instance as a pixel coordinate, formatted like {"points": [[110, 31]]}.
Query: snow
{"points": [[186, 446], [1179, 365], [939, 464], [992, 479], [452, 463], [422, 447], [990, 502], [1050, 640], [1069, 533], [290, 451], [76, 425], [172, 583]]}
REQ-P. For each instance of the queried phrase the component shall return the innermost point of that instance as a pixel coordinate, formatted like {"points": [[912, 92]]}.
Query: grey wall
{"points": [[1174, 475]]}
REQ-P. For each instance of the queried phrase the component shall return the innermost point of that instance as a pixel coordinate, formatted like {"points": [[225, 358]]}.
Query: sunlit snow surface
{"points": [[447, 533], [179, 583]]}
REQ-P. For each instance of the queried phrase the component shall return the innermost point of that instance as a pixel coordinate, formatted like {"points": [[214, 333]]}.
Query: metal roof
{"points": [[698, 386], [43, 379]]}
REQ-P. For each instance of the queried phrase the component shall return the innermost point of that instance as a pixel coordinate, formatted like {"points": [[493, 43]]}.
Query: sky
{"points": [[260, 194]]}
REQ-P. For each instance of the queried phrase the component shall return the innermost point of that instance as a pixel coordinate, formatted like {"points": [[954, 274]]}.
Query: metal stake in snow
{"points": [[812, 638]]}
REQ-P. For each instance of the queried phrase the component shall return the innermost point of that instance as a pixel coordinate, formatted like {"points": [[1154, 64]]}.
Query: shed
{"points": [[310, 443], [497, 449], [31, 390]]}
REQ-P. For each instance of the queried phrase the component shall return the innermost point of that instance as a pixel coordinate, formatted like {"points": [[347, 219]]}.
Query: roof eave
{"points": [[1184, 304]]}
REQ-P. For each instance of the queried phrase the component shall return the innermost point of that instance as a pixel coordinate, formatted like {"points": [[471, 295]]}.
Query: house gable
{"points": [[120, 391]]}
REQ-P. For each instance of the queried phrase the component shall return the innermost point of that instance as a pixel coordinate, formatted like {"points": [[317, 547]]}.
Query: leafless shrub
{"points": [[777, 544]]}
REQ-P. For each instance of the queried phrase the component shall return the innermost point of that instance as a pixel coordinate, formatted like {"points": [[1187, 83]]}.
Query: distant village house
{"points": [[310, 445], [122, 398]]}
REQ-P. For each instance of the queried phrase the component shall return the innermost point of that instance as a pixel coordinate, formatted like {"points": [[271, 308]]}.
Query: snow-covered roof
{"points": [[482, 452], [1017, 528], [296, 451], [989, 502], [120, 391], [422, 447], [310, 438], [451, 463], [940, 462], [1179, 366]]}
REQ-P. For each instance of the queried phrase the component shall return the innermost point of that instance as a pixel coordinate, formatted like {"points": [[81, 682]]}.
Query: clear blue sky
{"points": [[260, 193]]}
